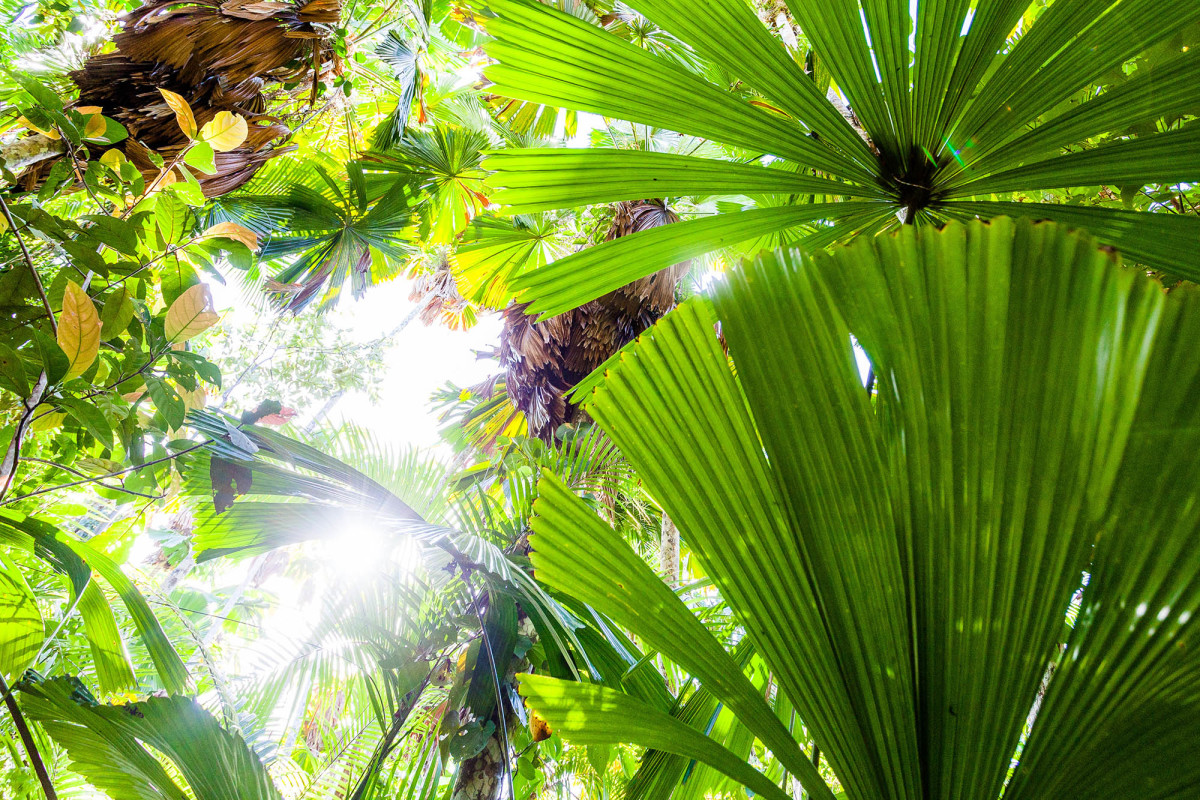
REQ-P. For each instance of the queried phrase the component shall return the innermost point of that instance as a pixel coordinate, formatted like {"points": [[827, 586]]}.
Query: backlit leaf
{"points": [[21, 629], [183, 112], [78, 329], [234, 231], [191, 313], [225, 132]]}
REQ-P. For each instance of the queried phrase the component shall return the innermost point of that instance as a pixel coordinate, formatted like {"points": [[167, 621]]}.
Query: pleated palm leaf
{"points": [[904, 562], [956, 114]]}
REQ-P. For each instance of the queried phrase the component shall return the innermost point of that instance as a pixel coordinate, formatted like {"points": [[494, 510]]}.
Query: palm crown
{"points": [[958, 104]]}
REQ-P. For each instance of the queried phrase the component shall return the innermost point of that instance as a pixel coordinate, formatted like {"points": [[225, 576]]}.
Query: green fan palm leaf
{"points": [[953, 106], [903, 563]]}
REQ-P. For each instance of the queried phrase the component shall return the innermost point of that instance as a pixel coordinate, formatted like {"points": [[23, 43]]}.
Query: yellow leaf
{"points": [[78, 329], [191, 313], [87, 111], [113, 158], [231, 230], [48, 422], [53, 134], [194, 400], [95, 128], [183, 112], [225, 132]]}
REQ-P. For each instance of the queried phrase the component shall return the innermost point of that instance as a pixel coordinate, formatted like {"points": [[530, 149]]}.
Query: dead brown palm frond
{"points": [[220, 56], [543, 360]]}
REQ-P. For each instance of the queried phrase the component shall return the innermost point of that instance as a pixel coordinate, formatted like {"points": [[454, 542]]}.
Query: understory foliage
{"points": [[839, 440]]}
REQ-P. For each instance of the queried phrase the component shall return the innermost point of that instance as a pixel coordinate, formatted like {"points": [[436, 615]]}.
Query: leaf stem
{"points": [[98, 478]]}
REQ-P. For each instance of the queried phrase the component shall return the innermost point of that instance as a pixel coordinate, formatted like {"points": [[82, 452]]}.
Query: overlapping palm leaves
{"points": [[402, 630], [87, 575], [954, 110], [903, 564]]}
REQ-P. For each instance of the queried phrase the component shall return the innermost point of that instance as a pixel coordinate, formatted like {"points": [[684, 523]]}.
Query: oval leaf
{"points": [[225, 132], [183, 112], [112, 158], [78, 329], [21, 627], [191, 313], [234, 231], [95, 128]]}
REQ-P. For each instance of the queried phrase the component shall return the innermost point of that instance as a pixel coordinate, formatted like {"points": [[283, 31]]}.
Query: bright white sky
{"points": [[421, 359]]}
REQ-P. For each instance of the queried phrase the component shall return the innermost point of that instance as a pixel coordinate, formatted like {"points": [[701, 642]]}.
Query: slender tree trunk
{"points": [[481, 777], [35, 757], [668, 552]]}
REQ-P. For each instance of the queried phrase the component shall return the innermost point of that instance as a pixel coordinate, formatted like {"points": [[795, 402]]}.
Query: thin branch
{"points": [[12, 225], [35, 757], [12, 456], [84, 475], [99, 478]]}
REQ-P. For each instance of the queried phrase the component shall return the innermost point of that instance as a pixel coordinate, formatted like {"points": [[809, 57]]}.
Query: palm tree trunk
{"points": [[21, 152], [668, 552]]}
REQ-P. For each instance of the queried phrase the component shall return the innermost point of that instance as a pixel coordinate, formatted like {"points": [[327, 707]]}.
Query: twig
{"points": [[35, 757], [12, 456], [78, 174], [134, 468], [84, 475], [12, 225]]}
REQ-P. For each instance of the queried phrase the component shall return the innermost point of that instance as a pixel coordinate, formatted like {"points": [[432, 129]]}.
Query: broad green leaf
{"points": [[12, 370], [539, 180], [171, 217], [108, 745], [117, 313], [202, 157], [587, 714], [78, 330], [591, 273], [21, 628], [576, 552]]}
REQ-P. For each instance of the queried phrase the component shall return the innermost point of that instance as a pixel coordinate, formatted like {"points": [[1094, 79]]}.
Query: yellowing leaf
{"points": [[95, 128], [78, 329], [183, 112], [53, 134], [194, 400], [225, 132], [191, 313], [48, 422], [113, 158], [231, 230], [87, 111]]}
